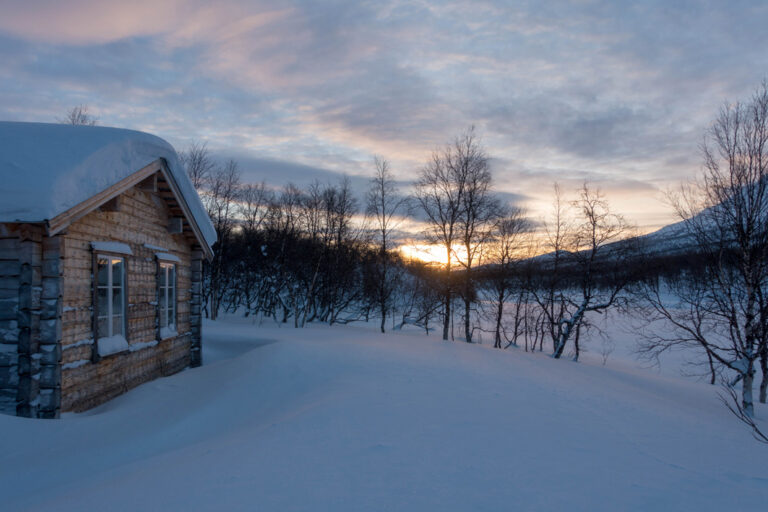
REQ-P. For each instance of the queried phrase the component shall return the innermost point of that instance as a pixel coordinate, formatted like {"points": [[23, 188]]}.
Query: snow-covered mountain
{"points": [[671, 239]]}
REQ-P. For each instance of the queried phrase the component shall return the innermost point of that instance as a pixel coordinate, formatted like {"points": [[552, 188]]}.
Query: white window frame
{"points": [[167, 314], [110, 287]]}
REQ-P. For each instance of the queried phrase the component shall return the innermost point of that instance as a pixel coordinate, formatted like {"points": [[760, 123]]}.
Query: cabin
{"points": [[102, 241]]}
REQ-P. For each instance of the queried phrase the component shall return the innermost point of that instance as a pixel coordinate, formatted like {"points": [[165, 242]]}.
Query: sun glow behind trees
{"points": [[430, 253]]}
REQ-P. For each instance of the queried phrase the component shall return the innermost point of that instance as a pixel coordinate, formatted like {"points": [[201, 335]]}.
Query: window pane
{"points": [[172, 296], [163, 312], [102, 301], [117, 301], [162, 276], [117, 324], [117, 272], [103, 269], [103, 327]]}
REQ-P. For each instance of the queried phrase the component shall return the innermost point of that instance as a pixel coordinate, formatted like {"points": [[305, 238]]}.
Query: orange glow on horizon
{"points": [[430, 253]]}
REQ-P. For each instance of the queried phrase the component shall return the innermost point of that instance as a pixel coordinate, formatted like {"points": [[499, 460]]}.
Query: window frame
{"points": [[97, 313], [167, 309]]}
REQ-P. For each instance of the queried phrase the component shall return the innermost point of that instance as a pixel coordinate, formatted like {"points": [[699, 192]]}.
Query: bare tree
{"points": [[679, 301], [253, 207], [723, 309], [731, 400], [383, 205], [220, 200], [602, 269], [478, 211], [591, 274], [439, 193], [197, 159], [79, 116], [420, 296], [547, 286], [340, 236], [505, 252]]}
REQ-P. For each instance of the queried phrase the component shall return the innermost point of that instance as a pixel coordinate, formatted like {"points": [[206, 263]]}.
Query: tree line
{"points": [[317, 255]]}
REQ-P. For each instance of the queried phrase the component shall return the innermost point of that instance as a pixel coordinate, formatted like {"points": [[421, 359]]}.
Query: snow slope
{"points": [[47, 169], [347, 419]]}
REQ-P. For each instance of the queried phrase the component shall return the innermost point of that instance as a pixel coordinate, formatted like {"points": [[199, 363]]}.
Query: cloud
{"points": [[81, 22], [612, 92]]}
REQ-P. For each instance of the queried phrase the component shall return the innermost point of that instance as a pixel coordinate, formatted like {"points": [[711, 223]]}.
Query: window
{"points": [[167, 299], [110, 296]]}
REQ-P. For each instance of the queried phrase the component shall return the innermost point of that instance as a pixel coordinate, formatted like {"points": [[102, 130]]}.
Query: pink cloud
{"points": [[88, 21]]}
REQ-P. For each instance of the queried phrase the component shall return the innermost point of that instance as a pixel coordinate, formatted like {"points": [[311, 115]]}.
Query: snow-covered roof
{"points": [[46, 169]]}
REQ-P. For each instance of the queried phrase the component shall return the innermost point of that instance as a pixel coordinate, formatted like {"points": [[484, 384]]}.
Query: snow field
{"points": [[345, 418]]}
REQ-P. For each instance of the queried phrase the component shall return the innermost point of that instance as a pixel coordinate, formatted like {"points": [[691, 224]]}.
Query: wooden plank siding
{"points": [[138, 219]]}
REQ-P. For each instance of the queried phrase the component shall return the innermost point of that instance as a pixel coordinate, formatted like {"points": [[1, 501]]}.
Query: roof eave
{"points": [[207, 250], [64, 219]]}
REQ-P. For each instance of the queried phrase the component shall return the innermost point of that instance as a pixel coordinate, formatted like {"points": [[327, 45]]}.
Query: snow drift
{"points": [[347, 419]]}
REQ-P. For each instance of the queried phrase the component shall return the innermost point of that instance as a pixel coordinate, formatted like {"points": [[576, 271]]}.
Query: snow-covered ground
{"points": [[346, 419]]}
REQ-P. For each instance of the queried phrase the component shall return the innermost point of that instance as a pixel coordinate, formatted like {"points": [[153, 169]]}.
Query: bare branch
{"points": [[79, 116]]}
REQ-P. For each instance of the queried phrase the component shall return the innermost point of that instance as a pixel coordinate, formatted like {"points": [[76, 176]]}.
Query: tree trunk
{"points": [[746, 391], [576, 343], [560, 347], [711, 368], [447, 317], [447, 298], [383, 317], [467, 326], [566, 330], [764, 368], [499, 314]]}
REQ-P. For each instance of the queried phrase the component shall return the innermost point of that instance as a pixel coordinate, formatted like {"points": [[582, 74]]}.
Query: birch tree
{"points": [[589, 269], [220, 200], [383, 204], [440, 195], [478, 212], [506, 250], [723, 310]]}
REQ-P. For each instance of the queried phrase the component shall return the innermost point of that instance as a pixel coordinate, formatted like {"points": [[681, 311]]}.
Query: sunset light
{"points": [[424, 252], [389, 255]]}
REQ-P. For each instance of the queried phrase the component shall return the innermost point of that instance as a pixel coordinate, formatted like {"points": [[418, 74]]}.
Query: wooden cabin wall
{"points": [[136, 219], [30, 327]]}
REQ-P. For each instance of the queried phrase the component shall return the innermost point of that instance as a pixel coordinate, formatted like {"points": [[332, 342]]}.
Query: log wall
{"points": [[30, 321], [139, 219], [10, 272]]}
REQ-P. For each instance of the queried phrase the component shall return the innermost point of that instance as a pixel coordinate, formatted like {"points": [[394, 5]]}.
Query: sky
{"points": [[616, 93]]}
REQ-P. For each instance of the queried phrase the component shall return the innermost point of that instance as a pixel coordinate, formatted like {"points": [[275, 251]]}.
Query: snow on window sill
{"points": [[164, 256], [134, 347], [112, 345], [168, 332], [115, 247]]}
